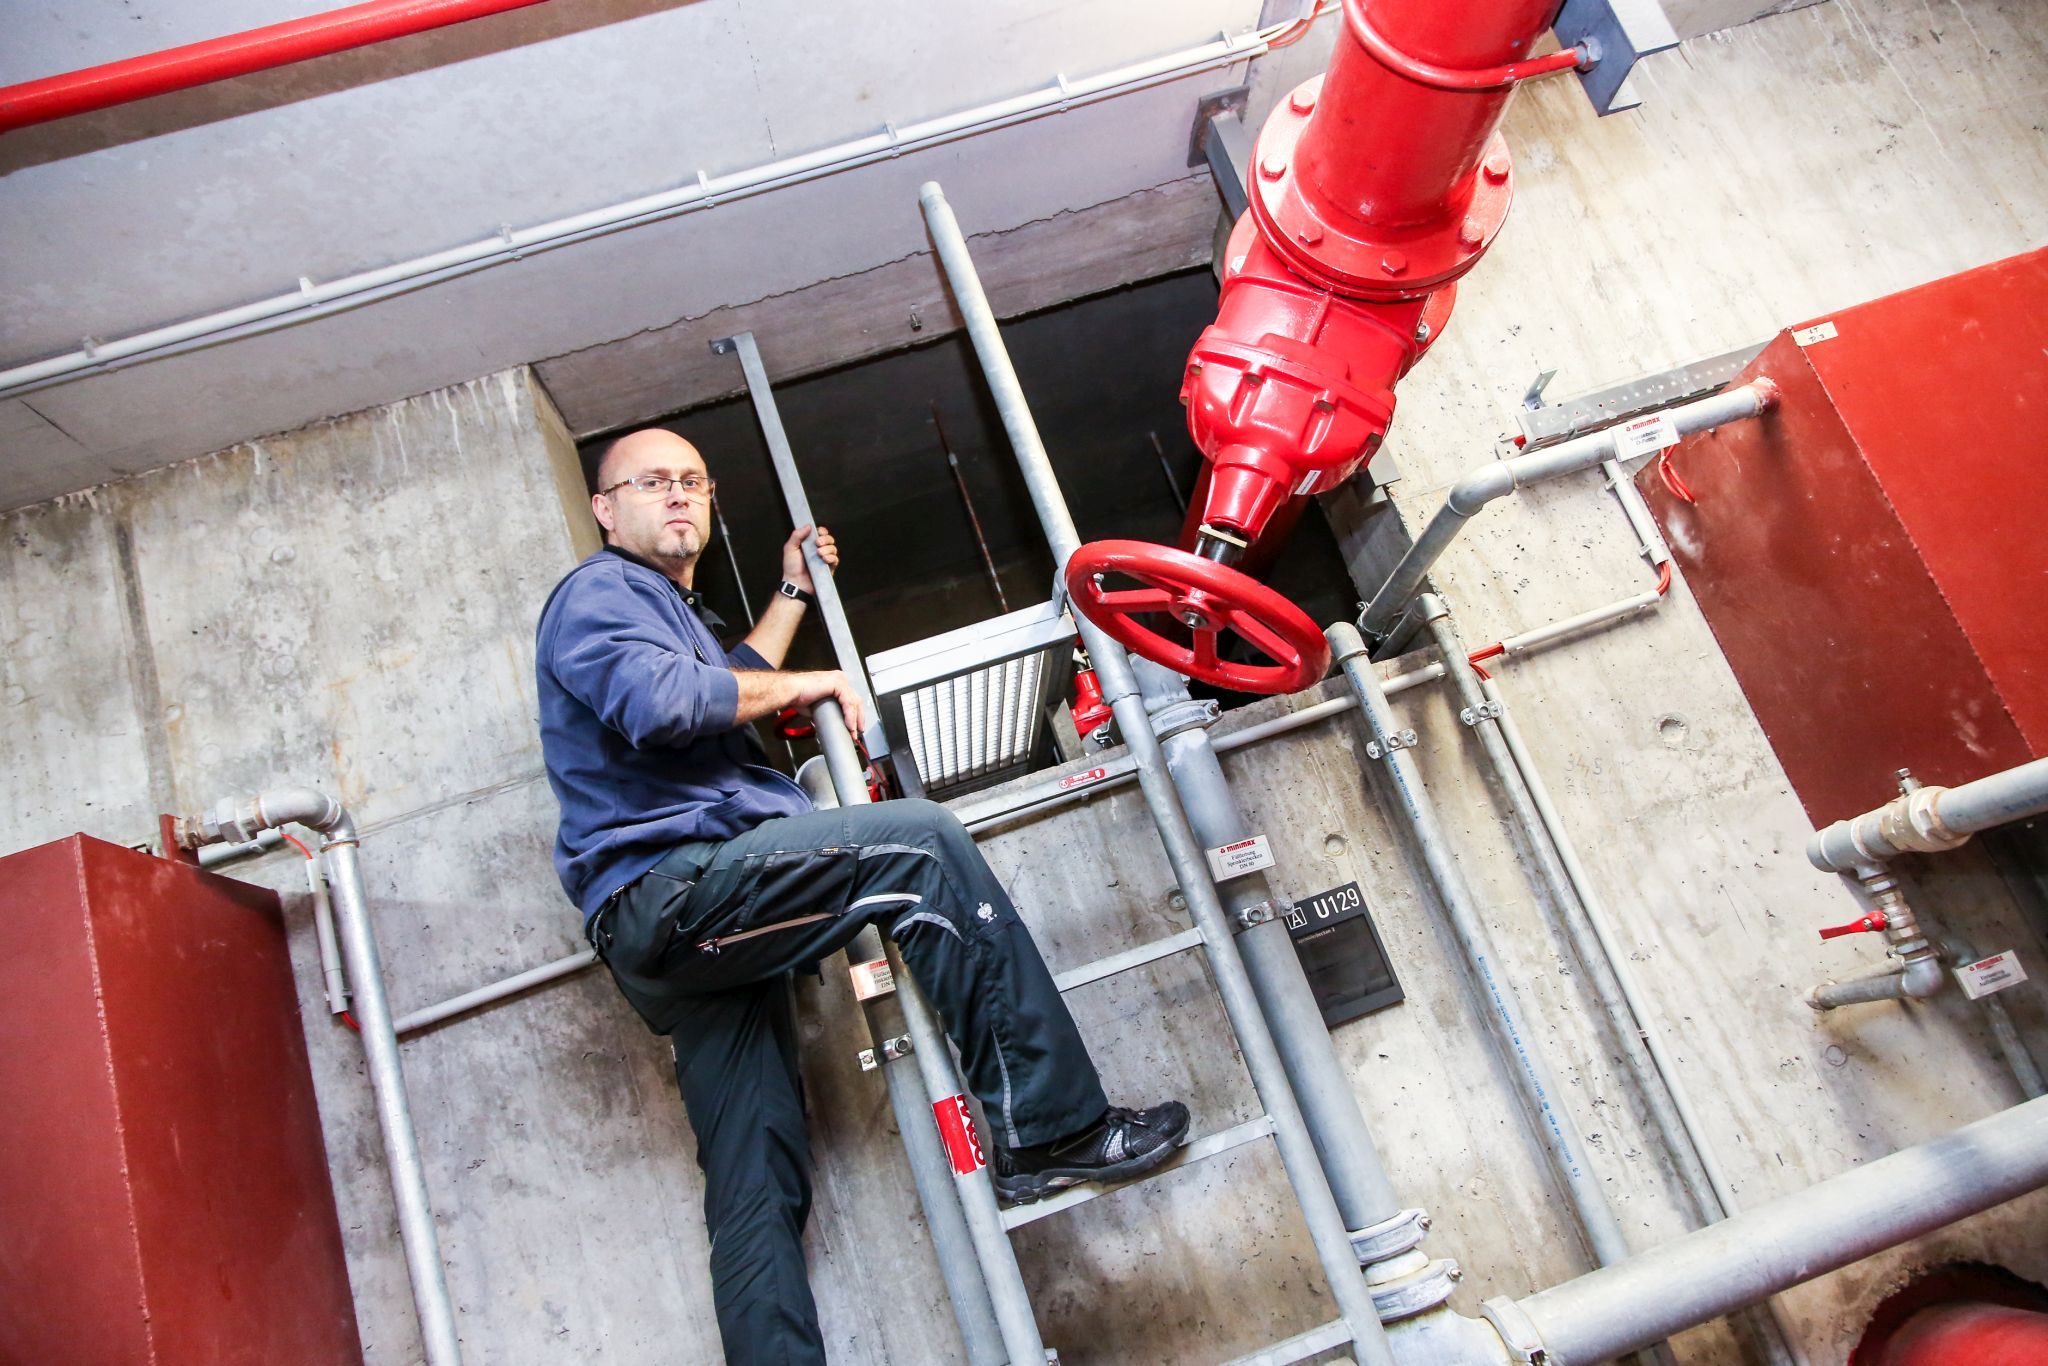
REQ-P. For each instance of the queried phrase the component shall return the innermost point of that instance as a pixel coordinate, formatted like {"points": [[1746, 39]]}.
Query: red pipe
{"points": [[1969, 1335], [238, 54]]}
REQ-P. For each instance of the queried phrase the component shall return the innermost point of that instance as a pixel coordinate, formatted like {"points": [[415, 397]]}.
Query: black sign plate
{"points": [[1341, 952]]}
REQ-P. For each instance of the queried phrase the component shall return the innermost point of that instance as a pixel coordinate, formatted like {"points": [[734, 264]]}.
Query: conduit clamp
{"points": [[1381, 749], [1485, 711], [892, 1049]]}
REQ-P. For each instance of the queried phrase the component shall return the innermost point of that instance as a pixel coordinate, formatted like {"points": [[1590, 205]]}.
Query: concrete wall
{"points": [[352, 606]]}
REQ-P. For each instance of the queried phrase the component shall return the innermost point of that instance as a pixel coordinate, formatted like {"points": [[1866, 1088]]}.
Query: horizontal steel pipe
{"points": [[1498, 478], [1793, 1239], [1931, 819]]}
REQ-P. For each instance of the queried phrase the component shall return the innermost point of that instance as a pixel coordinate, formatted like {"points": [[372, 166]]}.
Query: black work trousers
{"points": [[701, 947]]}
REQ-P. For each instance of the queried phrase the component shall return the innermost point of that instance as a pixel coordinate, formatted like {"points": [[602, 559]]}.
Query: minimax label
{"points": [[1240, 857]]}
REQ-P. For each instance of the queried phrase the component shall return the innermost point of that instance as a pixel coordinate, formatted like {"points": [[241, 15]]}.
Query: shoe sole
{"points": [[1035, 1186]]}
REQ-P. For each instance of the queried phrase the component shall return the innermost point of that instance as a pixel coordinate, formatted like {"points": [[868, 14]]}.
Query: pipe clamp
{"points": [[1390, 1237], [1380, 749], [1485, 711], [892, 1049], [1258, 913], [1517, 1331]]}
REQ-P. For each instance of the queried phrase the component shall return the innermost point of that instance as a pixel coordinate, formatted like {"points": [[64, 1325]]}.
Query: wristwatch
{"points": [[791, 591]]}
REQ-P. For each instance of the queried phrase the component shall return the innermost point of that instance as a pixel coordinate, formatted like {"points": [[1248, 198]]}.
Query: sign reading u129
{"points": [[1326, 908]]}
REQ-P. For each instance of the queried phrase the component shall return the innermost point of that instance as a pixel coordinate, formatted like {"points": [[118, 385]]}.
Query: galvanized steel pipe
{"points": [[243, 820], [1184, 853], [1931, 819], [1498, 478], [1535, 1082]]}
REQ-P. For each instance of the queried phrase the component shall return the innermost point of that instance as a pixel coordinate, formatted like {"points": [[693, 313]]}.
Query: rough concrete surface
{"points": [[351, 605]]}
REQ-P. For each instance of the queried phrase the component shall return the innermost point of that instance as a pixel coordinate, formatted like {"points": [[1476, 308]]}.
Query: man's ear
{"points": [[601, 508]]}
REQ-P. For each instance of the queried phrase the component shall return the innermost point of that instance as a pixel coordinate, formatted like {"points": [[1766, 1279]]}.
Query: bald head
{"points": [[669, 528]]}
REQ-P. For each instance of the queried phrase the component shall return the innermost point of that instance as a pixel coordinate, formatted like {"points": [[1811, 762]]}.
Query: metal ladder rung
{"points": [[1298, 1347], [1016, 1216], [1128, 959]]}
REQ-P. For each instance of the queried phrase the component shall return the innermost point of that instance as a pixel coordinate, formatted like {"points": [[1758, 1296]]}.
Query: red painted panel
{"points": [[70, 1268], [235, 1251], [1870, 556]]}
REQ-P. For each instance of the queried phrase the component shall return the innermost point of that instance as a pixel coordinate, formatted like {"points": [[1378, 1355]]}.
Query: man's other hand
{"points": [[832, 684], [798, 570]]}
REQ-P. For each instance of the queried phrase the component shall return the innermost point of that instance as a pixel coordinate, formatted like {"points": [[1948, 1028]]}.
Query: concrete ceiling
{"points": [[176, 207]]}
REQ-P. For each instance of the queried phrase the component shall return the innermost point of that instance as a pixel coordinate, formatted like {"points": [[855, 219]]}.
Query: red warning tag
{"points": [[1074, 780], [956, 1127]]}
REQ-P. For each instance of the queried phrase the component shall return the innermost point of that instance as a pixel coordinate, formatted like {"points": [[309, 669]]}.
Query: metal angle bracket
{"points": [[1380, 749], [1618, 33]]}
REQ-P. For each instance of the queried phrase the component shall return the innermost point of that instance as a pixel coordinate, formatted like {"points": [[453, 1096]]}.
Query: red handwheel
{"points": [[1208, 599]]}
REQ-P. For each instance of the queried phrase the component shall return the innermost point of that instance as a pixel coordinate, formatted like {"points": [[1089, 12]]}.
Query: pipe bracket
{"points": [[1185, 714], [1258, 913], [1485, 711], [890, 1051], [1377, 748]]}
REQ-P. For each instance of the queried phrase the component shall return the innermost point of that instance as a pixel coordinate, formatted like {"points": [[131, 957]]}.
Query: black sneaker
{"points": [[1123, 1144]]}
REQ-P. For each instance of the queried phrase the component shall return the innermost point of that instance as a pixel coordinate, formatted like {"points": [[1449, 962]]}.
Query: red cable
{"points": [[1663, 578], [1451, 78], [1499, 647], [1672, 481], [293, 840], [350, 1021]]}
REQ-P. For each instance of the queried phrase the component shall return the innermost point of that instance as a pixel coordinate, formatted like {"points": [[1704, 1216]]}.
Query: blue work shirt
{"points": [[638, 727]]}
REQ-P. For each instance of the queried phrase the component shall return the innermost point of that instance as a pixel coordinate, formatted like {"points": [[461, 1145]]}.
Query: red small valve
{"points": [[1869, 924], [1090, 711]]}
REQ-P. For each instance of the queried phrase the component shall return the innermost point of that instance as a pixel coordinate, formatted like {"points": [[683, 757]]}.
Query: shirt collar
{"points": [[692, 599]]}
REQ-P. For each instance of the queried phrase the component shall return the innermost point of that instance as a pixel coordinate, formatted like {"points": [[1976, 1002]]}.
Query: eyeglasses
{"points": [[655, 485]]}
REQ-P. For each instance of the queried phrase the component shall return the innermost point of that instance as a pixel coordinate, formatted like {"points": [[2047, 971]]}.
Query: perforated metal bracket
{"points": [[1258, 913], [1485, 711], [892, 1049], [1517, 1333], [1380, 749]]}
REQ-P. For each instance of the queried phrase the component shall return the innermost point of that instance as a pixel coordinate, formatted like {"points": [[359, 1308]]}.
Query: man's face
{"points": [[671, 528]]}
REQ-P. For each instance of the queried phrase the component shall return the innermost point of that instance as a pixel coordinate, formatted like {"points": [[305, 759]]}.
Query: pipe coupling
{"points": [[1909, 824], [241, 819]]}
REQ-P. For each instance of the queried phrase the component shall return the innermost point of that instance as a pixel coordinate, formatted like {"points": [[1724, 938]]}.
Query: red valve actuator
{"points": [[1869, 924]]}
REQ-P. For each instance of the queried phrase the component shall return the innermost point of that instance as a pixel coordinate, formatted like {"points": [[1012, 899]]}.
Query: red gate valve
{"points": [[1869, 924], [1206, 598]]}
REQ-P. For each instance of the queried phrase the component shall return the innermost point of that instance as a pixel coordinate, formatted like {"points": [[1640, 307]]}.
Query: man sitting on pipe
{"points": [[704, 877]]}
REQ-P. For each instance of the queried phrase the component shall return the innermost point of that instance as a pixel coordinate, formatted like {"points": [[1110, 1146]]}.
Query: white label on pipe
{"points": [[1240, 857], [1819, 332], [1644, 436], [1308, 481], [872, 979], [1987, 975]]}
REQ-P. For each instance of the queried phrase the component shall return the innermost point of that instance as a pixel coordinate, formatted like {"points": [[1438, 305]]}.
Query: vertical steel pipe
{"points": [[990, 1303], [1183, 852], [1345, 1146], [1779, 1342], [387, 1080], [1535, 1082]]}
